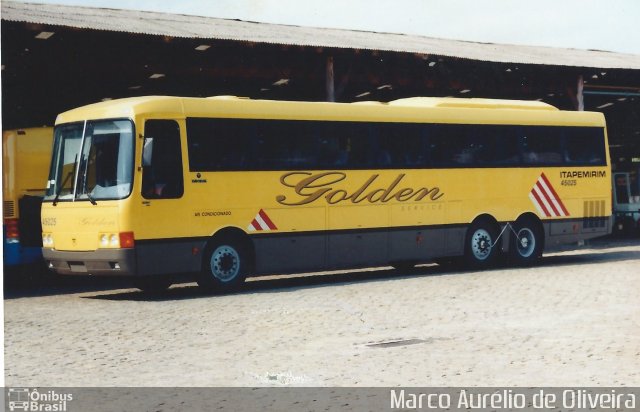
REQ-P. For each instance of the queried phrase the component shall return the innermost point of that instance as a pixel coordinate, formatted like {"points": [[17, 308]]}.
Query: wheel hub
{"points": [[481, 244], [225, 263], [526, 242]]}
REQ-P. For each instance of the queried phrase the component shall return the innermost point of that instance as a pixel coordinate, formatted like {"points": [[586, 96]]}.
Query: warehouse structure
{"points": [[58, 57]]}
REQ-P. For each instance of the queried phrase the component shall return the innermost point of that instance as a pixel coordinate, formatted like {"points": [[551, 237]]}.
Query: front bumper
{"points": [[114, 262]]}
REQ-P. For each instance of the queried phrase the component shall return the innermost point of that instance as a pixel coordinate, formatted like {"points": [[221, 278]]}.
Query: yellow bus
{"points": [[26, 154], [226, 187]]}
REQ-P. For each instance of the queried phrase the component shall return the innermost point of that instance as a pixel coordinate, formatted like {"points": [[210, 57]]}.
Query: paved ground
{"points": [[574, 320]]}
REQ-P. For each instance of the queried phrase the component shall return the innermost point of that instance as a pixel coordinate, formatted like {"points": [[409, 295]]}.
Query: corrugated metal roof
{"points": [[162, 24]]}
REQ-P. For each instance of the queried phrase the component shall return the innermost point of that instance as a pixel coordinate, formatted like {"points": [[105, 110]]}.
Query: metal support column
{"points": [[580, 93], [331, 90]]}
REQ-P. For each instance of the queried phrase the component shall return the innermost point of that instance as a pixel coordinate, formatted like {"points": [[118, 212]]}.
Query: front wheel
{"points": [[526, 245], [225, 266], [480, 245]]}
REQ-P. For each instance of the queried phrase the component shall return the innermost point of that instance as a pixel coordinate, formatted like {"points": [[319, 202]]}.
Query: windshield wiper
{"points": [[66, 179], [84, 166], [91, 199]]}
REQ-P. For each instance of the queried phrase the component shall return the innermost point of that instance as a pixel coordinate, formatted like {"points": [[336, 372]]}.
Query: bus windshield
{"points": [[92, 160]]}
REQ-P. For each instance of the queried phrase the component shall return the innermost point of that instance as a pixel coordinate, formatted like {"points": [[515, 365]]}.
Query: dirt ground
{"points": [[574, 320]]}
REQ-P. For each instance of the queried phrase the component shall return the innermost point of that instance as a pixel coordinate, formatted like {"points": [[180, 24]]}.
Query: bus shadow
{"points": [[308, 281], [589, 258], [18, 285], [36, 280], [267, 285]]}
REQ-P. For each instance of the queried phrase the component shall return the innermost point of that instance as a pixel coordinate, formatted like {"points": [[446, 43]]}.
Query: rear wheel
{"points": [[480, 250], [527, 242], [225, 266]]}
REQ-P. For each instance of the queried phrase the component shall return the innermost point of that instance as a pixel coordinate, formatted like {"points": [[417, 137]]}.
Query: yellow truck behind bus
{"points": [[26, 154]]}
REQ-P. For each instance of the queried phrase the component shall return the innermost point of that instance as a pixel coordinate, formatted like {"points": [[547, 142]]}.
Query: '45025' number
{"points": [[571, 182]]}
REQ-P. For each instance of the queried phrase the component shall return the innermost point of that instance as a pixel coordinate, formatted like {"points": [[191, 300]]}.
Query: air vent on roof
{"points": [[370, 103], [473, 103], [227, 98]]}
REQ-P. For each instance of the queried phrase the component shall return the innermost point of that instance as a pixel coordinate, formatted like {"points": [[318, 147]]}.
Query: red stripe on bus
{"points": [[256, 225], [548, 197], [564, 209], [540, 203], [266, 219]]}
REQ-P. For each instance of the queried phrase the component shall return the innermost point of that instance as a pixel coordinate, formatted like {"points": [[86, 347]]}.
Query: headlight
{"points": [[47, 240], [109, 240]]}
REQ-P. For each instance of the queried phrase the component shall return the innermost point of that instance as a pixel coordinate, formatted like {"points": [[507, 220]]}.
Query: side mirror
{"points": [[147, 152]]}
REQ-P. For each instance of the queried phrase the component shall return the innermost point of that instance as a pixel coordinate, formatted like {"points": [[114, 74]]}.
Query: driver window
{"points": [[163, 178]]}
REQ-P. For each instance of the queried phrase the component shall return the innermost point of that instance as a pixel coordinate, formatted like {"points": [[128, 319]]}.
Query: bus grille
{"points": [[9, 208], [594, 214]]}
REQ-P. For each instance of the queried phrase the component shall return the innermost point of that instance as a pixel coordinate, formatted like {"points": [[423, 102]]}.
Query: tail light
{"points": [[127, 240], [11, 230]]}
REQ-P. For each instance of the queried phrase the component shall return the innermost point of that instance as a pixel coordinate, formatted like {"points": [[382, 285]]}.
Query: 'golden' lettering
{"points": [[311, 187]]}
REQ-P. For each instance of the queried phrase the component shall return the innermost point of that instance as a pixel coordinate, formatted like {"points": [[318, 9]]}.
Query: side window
{"points": [[498, 146], [404, 145], [452, 146], [360, 141], [163, 179], [286, 145], [584, 146], [542, 146], [220, 144]]}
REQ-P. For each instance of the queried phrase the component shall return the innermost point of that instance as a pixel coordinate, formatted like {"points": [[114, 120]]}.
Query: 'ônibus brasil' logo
{"points": [[310, 187]]}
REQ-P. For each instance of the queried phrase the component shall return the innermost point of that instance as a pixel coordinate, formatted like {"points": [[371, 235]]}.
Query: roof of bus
{"points": [[415, 109]]}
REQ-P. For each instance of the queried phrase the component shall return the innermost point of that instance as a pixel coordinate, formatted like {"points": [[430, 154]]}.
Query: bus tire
{"points": [[225, 267], [480, 251], [527, 242], [152, 284]]}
